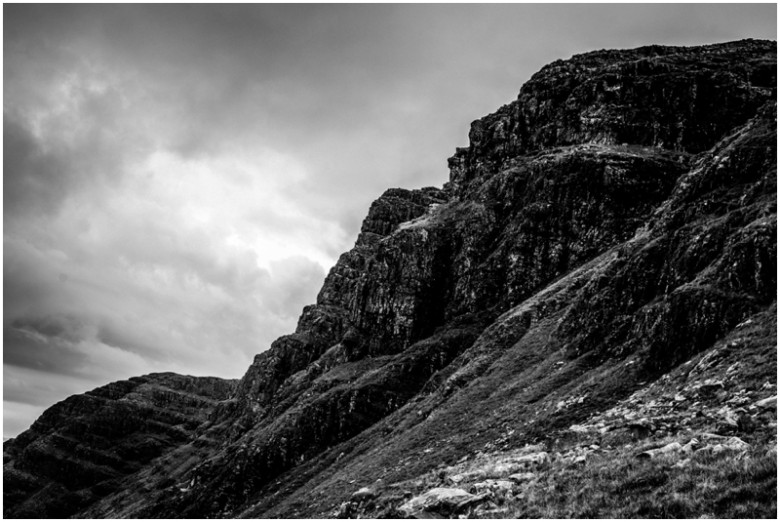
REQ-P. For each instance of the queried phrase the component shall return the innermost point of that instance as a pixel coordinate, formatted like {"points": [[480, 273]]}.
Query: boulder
{"points": [[710, 437], [690, 447], [520, 478], [669, 449], [730, 444], [445, 501], [363, 494], [736, 444], [770, 403]]}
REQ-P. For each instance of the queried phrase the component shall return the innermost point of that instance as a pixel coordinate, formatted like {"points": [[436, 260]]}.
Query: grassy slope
{"points": [[610, 483]]}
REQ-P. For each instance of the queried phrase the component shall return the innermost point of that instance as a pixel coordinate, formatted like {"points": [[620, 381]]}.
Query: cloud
{"points": [[124, 255], [46, 344]]}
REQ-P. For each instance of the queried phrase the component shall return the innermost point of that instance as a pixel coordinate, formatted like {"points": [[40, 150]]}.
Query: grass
{"points": [[620, 486]]}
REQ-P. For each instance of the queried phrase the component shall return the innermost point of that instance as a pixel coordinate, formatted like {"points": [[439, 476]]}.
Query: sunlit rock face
{"points": [[613, 223]]}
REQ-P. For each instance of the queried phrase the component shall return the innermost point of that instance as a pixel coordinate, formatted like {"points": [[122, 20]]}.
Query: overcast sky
{"points": [[177, 180]]}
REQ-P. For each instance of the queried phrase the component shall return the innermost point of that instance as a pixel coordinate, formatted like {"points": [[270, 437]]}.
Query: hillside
{"points": [[584, 314]]}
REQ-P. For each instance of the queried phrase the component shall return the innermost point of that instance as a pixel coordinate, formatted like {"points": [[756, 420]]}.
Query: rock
{"points": [[502, 486], [474, 501], [717, 448], [691, 446], [345, 510], [730, 444], [709, 437], [491, 512], [445, 501], [670, 449], [503, 469], [736, 444], [499, 466], [711, 384], [520, 478], [363, 494], [477, 474], [731, 419], [532, 461], [769, 403]]}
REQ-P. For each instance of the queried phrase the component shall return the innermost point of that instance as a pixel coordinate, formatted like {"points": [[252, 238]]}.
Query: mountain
{"points": [[580, 323]]}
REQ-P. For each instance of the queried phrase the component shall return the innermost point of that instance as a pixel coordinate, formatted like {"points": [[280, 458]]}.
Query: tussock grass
{"points": [[621, 486]]}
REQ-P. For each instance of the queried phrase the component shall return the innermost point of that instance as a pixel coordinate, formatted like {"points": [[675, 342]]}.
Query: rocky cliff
{"points": [[585, 311]]}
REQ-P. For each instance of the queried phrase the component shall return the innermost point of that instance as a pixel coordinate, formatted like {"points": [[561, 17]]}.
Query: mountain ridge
{"points": [[622, 209]]}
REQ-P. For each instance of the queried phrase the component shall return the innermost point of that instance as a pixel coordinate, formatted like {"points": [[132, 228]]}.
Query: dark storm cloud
{"points": [[178, 178], [45, 344]]}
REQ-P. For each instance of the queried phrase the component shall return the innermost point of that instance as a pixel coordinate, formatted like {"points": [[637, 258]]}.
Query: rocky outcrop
{"points": [[674, 98], [614, 223]]}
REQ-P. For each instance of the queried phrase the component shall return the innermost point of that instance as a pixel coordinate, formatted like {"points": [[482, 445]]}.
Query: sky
{"points": [[178, 179]]}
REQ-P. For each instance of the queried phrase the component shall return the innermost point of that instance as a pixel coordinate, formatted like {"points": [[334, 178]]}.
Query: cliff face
{"points": [[679, 99], [614, 224]]}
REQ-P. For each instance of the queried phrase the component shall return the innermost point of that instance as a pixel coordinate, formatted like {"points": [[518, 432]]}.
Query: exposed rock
{"points": [[500, 486], [363, 494], [444, 501], [690, 447], [505, 465], [579, 459], [670, 449], [733, 444], [519, 478], [770, 403], [534, 460]]}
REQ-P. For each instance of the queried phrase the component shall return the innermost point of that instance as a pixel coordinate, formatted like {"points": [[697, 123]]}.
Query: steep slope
{"points": [[80, 449], [607, 228]]}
